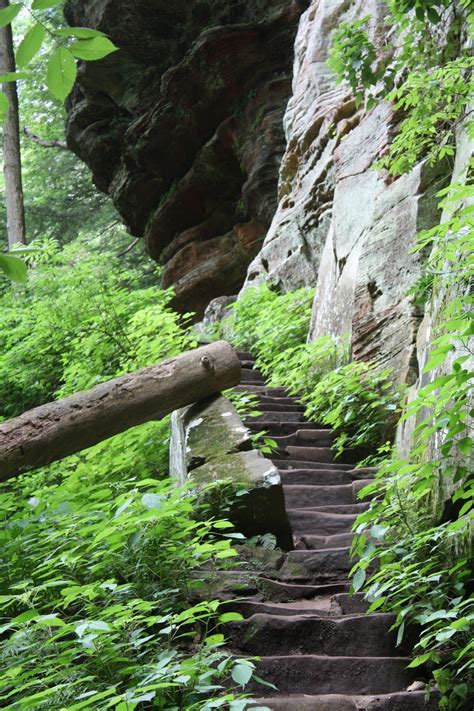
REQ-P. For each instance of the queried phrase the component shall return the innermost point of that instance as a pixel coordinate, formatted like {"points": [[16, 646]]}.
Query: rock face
{"points": [[183, 128], [340, 224]]}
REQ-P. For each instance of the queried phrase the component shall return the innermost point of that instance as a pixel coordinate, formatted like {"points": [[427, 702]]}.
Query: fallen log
{"points": [[58, 429]]}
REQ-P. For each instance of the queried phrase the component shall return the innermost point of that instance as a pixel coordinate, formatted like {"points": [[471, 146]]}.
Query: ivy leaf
{"points": [[465, 445], [9, 13], [13, 267], [45, 4], [242, 674], [30, 45], [61, 73], [93, 49]]}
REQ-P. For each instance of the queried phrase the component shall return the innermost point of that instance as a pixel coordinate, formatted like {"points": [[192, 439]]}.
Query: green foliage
{"points": [[359, 401], [97, 569], [425, 71], [268, 323], [421, 515], [301, 368], [81, 319]]}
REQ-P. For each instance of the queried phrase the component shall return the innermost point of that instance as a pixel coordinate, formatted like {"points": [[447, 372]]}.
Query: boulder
{"points": [[209, 443]]}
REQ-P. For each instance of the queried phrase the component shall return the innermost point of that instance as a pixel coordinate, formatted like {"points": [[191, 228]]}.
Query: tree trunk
{"points": [[16, 229], [61, 428]]}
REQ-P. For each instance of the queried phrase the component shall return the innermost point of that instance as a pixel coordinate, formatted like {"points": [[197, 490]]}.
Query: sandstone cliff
{"points": [[183, 128]]}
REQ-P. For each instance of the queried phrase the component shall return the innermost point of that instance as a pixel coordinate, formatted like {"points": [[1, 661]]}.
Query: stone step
{"points": [[316, 566], [282, 591], [314, 675], [307, 454], [244, 355], [355, 509], [349, 604], [279, 416], [398, 701], [253, 377], [281, 407], [313, 542], [321, 438], [356, 635], [302, 496], [271, 400], [283, 429], [247, 363], [292, 464], [322, 607], [261, 390], [315, 476], [319, 523]]}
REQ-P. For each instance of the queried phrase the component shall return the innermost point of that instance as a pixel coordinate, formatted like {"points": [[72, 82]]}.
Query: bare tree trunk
{"points": [[16, 229], [60, 428]]}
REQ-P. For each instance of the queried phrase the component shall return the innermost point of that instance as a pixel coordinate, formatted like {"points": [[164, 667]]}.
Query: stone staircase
{"points": [[317, 646]]}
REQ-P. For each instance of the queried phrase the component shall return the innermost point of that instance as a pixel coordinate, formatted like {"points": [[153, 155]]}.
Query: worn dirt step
{"points": [[320, 523], [248, 363], [315, 674], [301, 496], [320, 438], [311, 541], [356, 636], [315, 476], [319, 566], [399, 701]]}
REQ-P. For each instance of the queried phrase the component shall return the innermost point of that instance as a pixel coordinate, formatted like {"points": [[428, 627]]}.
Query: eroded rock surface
{"points": [[183, 128], [341, 225]]}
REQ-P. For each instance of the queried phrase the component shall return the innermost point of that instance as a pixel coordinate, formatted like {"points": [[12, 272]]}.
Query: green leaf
{"points": [[9, 13], [13, 76], [13, 267], [230, 617], [358, 580], [242, 674], [93, 49], [152, 501], [30, 45], [79, 32], [465, 445], [61, 73], [419, 661], [45, 4]]}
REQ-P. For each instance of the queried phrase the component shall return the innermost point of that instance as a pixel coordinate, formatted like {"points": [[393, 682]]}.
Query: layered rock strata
{"points": [[340, 224], [183, 129]]}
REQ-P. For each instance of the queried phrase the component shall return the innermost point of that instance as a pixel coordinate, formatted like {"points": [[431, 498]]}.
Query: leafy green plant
{"points": [[359, 401], [96, 578], [421, 514], [425, 70], [69, 44], [268, 323], [81, 319]]}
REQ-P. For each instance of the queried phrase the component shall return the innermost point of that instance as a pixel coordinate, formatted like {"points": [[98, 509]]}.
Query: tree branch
{"points": [[44, 143]]}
